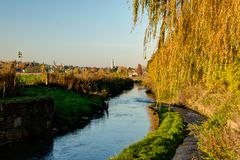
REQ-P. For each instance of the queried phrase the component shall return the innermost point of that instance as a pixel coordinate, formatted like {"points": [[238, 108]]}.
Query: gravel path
{"points": [[188, 150]]}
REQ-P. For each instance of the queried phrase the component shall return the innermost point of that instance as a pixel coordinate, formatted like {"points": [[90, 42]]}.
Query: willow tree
{"points": [[162, 15], [199, 44], [197, 41]]}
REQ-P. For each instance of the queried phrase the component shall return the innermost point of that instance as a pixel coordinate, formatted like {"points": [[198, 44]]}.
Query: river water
{"points": [[126, 122]]}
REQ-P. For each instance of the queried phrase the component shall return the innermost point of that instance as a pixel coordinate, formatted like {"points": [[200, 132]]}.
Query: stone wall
{"points": [[7, 78], [25, 119]]}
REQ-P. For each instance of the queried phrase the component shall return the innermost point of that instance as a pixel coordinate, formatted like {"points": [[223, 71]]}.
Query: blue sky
{"points": [[77, 32]]}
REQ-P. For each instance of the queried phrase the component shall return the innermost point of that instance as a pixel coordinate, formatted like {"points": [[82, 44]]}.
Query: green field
{"points": [[30, 79], [68, 104], [160, 144]]}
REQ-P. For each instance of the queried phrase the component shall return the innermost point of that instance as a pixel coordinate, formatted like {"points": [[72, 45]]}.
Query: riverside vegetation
{"points": [[197, 64], [158, 144], [71, 109], [76, 100]]}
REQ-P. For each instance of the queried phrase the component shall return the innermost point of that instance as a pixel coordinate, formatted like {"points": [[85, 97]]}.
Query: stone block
{"points": [[49, 125], [22, 120], [13, 134], [17, 122]]}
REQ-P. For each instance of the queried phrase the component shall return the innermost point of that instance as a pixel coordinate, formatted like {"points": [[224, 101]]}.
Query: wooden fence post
{"points": [[4, 89]]}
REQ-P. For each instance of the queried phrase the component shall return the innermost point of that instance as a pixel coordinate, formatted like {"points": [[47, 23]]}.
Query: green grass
{"points": [[30, 79], [20, 99], [68, 104], [160, 144]]}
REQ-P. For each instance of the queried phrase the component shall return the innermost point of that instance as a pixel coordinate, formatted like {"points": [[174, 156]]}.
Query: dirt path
{"points": [[188, 150]]}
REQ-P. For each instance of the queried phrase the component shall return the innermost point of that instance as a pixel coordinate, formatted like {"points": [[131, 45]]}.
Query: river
{"points": [[126, 122]]}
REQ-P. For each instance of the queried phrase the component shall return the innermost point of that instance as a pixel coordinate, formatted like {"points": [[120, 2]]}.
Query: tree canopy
{"points": [[199, 41]]}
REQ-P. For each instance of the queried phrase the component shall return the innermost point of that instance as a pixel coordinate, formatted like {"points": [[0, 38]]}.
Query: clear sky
{"points": [[77, 32]]}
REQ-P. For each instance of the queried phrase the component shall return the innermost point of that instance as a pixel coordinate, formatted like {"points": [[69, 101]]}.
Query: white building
{"points": [[112, 64]]}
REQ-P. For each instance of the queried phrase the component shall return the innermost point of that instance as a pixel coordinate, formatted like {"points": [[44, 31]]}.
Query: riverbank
{"points": [[126, 122], [159, 144], [154, 118], [71, 109], [189, 150], [218, 136], [77, 100], [25, 118]]}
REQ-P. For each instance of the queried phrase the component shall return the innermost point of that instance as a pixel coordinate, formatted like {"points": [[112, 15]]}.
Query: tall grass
{"points": [[91, 84], [7, 78]]}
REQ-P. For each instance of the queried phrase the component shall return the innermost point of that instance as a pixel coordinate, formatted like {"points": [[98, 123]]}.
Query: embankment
{"points": [[25, 118], [219, 136], [159, 144], [72, 103], [71, 109]]}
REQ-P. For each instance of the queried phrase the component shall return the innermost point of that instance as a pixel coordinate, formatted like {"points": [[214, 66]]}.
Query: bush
{"points": [[216, 137], [30, 79], [91, 85]]}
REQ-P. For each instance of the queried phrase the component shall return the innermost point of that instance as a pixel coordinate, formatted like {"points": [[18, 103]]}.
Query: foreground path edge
{"points": [[188, 150]]}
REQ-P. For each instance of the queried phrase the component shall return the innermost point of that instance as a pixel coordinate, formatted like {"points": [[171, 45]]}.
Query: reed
{"points": [[7, 78]]}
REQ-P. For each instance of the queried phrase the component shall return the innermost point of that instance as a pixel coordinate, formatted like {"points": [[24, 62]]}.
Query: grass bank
{"points": [[219, 137], [160, 144], [71, 109]]}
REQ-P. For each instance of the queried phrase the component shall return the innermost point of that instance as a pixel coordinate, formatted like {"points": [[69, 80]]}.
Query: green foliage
{"points": [[216, 137], [91, 84], [20, 99], [213, 139], [30, 79], [68, 104], [160, 144], [232, 75], [199, 46]]}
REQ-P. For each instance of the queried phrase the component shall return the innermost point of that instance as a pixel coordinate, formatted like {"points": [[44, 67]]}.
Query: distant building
{"points": [[134, 74], [112, 64]]}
